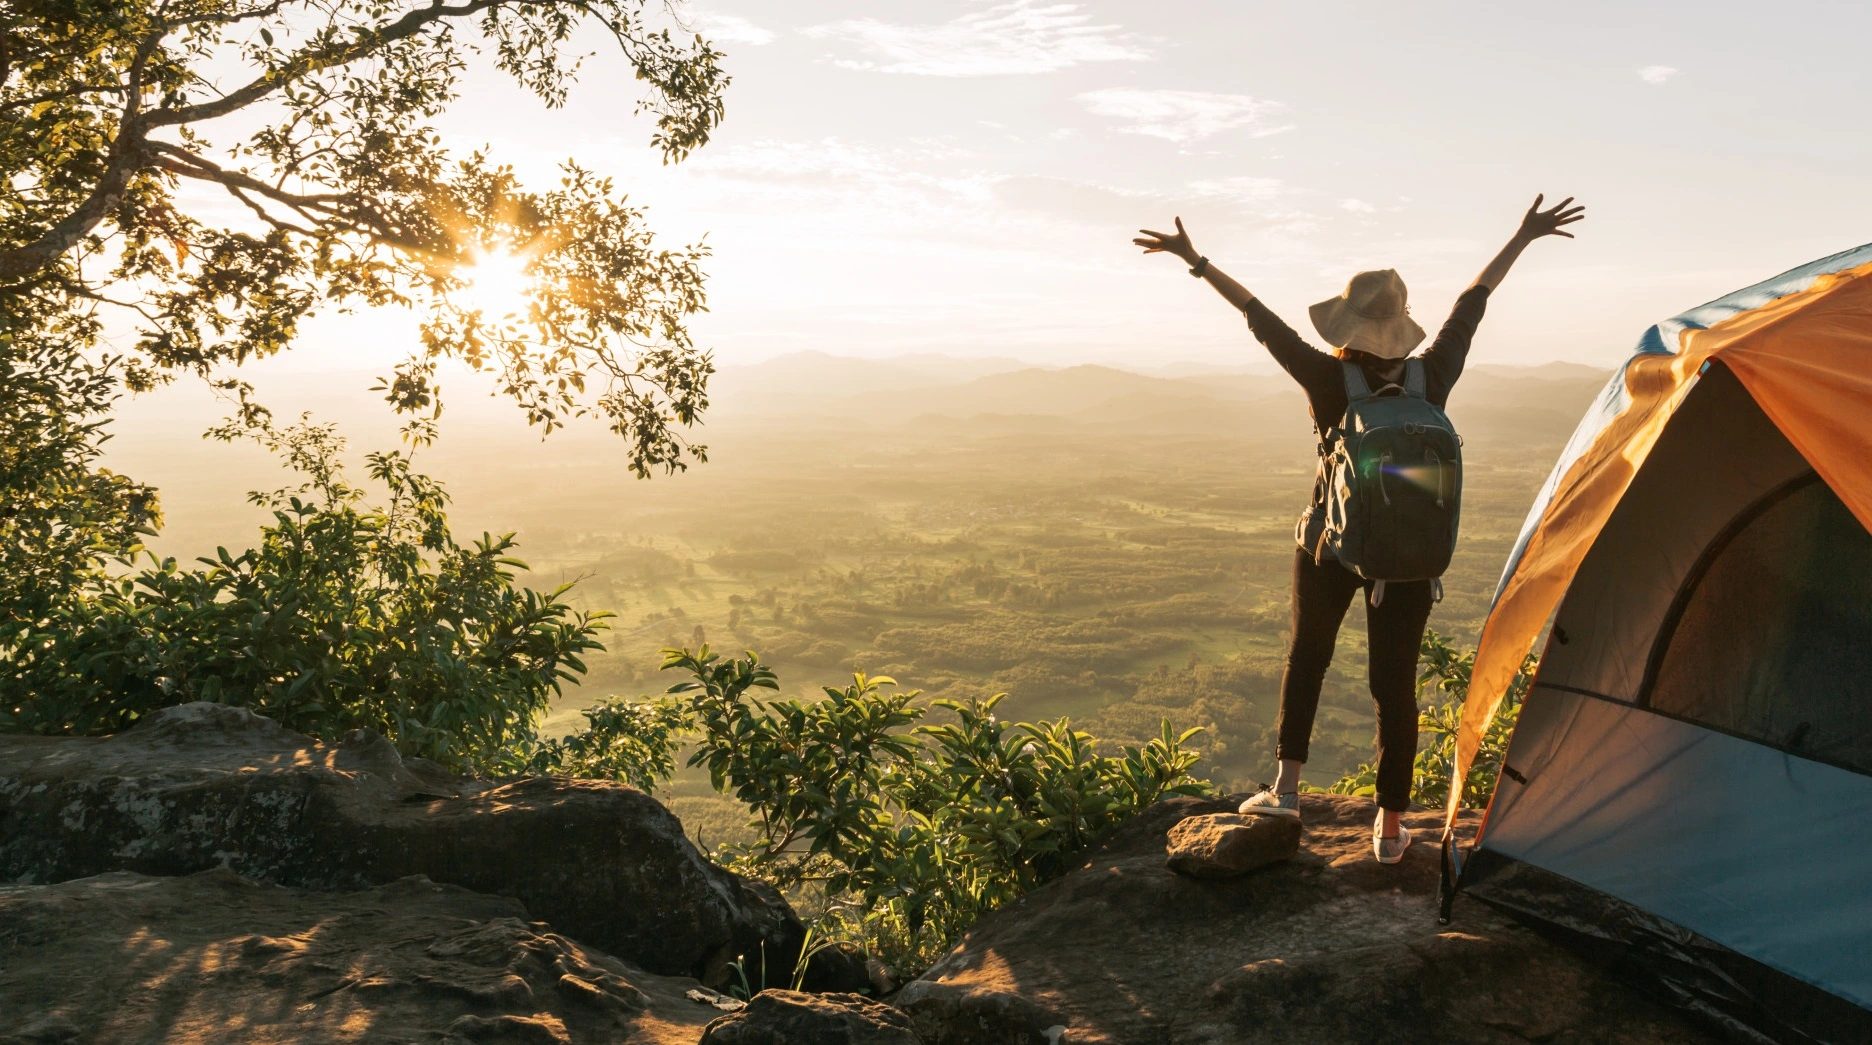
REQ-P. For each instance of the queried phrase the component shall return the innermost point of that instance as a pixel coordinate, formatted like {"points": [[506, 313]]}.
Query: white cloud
{"points": [[1656, 73], [1357, 207], [731, 29], [910, 187], [1012, 38], [1241, 188], [1238, 201], [1183, 116]]}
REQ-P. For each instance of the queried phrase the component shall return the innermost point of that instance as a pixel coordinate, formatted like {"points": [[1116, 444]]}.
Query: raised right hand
{"points": [[1164, 243], [1537, 222]]}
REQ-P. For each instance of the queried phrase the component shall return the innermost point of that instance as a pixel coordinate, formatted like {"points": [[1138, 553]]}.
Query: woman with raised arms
{"points": [[1370, 370]]}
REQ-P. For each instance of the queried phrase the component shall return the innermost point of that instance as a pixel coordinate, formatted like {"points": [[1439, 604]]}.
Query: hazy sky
{"points": [[964, 177]]}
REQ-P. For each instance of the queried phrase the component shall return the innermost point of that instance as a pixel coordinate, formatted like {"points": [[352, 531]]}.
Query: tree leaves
{"points": [[909, 832], [347, 197]]}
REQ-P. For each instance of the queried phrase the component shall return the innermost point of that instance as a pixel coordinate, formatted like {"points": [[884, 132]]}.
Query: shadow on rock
{"points": [[214, 957]]}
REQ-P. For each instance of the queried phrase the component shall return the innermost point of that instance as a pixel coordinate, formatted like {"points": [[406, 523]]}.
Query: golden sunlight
{"points": [[497, 282]]}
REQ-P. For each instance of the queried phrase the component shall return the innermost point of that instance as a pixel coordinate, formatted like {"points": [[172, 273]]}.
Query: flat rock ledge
{"points": [[1221, 845], [213, 957], [202, 786], [1328, 946]]}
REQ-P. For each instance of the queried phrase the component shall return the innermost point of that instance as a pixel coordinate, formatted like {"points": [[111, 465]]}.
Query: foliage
{"points": [[631, 741], [107, 109], [62, 517], [347, 615], [1446, 669], [905, 832]]}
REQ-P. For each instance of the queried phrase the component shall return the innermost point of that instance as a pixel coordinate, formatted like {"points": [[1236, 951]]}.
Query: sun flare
{"points": [[498, 283]]}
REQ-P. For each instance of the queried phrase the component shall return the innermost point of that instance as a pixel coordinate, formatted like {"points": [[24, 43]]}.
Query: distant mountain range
{"points": [[854, 387], [803, 399]]}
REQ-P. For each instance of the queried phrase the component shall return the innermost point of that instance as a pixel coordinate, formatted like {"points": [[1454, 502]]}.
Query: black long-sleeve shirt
{"points": [[1322, 378]]}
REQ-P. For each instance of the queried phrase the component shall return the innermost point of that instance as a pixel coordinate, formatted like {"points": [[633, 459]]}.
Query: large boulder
{"points": [[205, 785], [793, 1018], [1328, 946], [215, 957]]}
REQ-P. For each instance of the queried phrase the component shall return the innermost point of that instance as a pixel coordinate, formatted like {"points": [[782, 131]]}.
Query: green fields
{"points": [[1118, 562]]}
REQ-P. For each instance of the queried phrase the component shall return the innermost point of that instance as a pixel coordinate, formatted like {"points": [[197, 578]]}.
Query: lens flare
{"points": [[1426, 477]]}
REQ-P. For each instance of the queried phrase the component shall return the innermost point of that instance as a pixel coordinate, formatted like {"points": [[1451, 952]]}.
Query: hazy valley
{"points": [[1098, 543]]}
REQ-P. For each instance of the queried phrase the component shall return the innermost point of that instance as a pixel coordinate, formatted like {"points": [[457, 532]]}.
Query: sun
{"points": [[497, 282]]}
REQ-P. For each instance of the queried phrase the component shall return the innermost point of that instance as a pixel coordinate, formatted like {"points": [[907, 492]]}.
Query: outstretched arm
{"points": [[1179, 246], [1308, 365], [1534, 224]]}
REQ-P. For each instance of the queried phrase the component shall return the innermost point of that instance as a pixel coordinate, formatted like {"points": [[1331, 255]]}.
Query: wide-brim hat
{"points": [[1372, 316]]}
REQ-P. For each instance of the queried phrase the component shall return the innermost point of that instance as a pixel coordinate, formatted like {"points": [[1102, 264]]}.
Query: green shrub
{"points": [[898, 832], [346, 615], [1446, 671], [634, 741]]}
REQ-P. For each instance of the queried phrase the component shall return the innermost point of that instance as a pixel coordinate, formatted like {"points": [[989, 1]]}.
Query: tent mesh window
{"points": [[1771, 637]]}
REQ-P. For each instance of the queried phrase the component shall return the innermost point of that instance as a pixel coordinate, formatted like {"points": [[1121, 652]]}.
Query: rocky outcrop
{"points": [[1221, 845], [794, 1018], [214, 957], [202, 786], [1329, 946]]}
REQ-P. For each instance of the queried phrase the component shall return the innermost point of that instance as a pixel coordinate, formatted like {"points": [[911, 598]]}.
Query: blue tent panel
{"points": [[1756, 849]]}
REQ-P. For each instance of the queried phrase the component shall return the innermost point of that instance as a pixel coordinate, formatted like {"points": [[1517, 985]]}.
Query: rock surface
{"points": [[963, 1014], [1221, 845], [213, 957], [1329, 946], [205, 785], [793, 1018]]}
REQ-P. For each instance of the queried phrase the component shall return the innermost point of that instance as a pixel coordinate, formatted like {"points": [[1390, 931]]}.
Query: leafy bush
{"points": [[345, 616], [62, 517], [1446, 670], [632, 741], [903, 833]]}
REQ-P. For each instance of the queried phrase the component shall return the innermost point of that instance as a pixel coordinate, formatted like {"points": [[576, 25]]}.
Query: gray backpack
{"points": [[1392, 481]]}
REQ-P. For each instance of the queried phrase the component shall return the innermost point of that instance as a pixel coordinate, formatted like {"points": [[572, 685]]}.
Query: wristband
{"points": [[1201, 266]]}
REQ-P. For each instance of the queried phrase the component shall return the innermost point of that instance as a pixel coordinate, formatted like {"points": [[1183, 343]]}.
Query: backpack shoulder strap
{"points": [[1356, 387], [1416, 381]]}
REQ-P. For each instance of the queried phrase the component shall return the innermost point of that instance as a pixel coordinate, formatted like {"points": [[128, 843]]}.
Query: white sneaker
{"points": [[1272, 804], [1388, 850]]}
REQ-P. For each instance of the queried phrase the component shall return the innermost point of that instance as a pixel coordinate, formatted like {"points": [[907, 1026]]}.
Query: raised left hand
{"points": [[1160, 242]]}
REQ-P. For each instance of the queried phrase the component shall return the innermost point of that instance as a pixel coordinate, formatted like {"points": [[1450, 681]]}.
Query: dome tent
{"points": [[1689, 783]]}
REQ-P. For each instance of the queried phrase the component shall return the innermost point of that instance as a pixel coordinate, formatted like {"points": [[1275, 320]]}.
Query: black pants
{"points": [[1394, 632]]}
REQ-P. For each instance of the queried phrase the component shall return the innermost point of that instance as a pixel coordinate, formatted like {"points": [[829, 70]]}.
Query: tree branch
{"points": [[125, 154], [60, 95], [180, 161], [308, 61]]}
